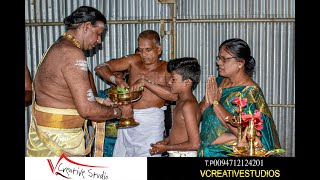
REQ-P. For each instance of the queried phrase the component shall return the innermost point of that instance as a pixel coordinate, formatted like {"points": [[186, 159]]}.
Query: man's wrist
{"points": [[120, 111]]}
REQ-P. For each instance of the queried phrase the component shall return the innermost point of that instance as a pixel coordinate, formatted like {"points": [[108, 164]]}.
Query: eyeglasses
{"points": [[223, 60]]}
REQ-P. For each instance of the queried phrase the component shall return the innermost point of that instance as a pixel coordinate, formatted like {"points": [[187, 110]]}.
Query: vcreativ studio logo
{"points": [[69, 169]]}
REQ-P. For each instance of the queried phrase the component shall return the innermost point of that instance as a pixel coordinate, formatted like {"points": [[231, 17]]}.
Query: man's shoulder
{"points": [[130, 56], [66, 53], [163, 64]]}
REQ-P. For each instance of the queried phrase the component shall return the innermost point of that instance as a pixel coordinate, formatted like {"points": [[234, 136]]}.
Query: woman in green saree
{"points": [[235, 67]]}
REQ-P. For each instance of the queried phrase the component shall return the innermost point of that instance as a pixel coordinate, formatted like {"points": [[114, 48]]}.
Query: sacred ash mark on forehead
{"points": [[90, 95], [83, 64]]}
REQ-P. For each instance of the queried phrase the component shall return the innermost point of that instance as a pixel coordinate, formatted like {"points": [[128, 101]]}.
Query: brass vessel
{"points": [[125, 98]]}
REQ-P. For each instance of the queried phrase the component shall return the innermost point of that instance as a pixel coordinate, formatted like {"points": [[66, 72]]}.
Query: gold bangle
{"points": [[215, 103]]}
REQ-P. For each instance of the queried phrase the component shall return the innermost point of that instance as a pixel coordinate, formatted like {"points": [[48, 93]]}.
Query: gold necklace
{"points": [[72, 39], [225, 86], [242, 81]]}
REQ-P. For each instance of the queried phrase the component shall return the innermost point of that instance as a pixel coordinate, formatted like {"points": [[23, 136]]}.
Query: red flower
{"points": [[245, 118], [256, 120], [240, 102]]}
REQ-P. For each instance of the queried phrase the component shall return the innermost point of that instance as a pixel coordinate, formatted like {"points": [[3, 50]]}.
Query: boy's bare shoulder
{"points": [[190, 103]]}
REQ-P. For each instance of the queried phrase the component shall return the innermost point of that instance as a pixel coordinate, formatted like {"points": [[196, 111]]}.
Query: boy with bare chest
{"points": [[184, 139]]}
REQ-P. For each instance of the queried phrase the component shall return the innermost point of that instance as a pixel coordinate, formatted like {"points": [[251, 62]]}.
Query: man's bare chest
{"points": [[154, 75]]}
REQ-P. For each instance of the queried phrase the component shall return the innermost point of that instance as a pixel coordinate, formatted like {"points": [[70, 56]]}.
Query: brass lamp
{"points": [[251, 136]]}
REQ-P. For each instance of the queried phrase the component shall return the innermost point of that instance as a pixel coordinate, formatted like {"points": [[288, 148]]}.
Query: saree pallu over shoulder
{"points": [[211, 127], [55, 137]]}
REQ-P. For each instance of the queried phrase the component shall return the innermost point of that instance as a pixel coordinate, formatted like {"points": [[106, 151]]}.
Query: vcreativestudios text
{"points": [[240, 173]]}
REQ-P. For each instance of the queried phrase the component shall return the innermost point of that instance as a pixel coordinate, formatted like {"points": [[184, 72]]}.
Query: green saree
{"points": [[211, 128]]}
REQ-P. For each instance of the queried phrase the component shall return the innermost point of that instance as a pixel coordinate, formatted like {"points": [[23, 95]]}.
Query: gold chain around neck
{"points": [[72, 39], [243, 81]]}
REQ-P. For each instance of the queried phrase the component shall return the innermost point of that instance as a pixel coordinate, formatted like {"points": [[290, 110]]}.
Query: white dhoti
{"points": [[135, 141], [182, 153]]}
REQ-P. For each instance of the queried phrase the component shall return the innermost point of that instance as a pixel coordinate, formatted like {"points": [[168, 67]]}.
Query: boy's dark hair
{"points": [[187, 67], [83, 14]]}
